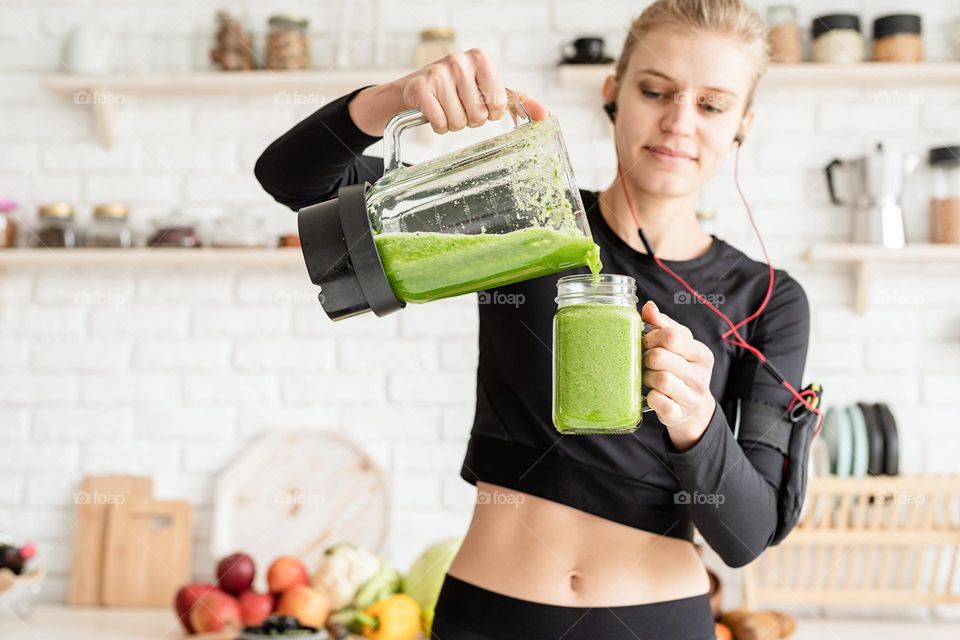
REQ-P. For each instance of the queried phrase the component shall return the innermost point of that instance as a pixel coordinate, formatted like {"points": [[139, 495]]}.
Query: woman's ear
{"points": [[609, 92], [745, 124]]}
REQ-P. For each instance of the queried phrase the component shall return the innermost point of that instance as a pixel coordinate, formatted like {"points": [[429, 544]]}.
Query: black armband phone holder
{"points": [[791, 433]]}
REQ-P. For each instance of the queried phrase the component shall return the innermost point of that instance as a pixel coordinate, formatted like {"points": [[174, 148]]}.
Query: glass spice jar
{"points": [[174, 231], [783, 34], [56, 228], [109, 228], [232, 49], [896, 38], [434, 44], [945, 195], [241, 231], [288, 45], [837, 39], [8, 224]]}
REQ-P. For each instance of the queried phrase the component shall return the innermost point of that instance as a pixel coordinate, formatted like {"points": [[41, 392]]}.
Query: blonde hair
{"points": [[726, 17]]}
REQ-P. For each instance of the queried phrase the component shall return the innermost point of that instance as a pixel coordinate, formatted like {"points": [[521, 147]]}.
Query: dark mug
{"points": [[585, 51]]}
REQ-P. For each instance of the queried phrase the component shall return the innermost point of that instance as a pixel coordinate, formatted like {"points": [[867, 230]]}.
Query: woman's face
{"points": [[679, 106]]}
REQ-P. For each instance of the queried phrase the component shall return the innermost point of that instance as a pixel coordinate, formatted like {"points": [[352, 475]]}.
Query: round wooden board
{"points": [[296, 493]]}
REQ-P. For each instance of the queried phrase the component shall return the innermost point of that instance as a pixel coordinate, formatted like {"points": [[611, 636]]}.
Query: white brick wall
{"points": [[171, 373]]}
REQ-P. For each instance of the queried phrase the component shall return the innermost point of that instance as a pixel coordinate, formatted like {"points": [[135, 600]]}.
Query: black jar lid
{"points": [[830, 22], [946, 156], [896, 23]]}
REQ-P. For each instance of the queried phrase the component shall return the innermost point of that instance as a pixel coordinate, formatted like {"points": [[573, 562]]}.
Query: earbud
{"points": [[739, 137], [611, 109]]}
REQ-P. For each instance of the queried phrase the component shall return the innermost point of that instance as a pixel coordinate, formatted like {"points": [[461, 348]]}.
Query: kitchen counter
{"points": [[82, 623]]}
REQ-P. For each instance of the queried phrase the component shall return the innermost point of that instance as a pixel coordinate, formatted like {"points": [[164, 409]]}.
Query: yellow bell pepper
{"points": [[393, 618]]}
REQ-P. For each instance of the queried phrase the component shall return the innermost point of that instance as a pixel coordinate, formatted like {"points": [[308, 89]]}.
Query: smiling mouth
{"points": [[673, 155]]}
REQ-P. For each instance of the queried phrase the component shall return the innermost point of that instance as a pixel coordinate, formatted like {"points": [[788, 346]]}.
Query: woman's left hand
{"points": [[677, 369]]}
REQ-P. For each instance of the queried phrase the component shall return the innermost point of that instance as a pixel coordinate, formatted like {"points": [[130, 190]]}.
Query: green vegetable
{"points": [[383, 585], [425, 577]]}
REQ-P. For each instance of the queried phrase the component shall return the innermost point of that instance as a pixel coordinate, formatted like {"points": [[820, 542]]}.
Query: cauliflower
{"points": [[344, 568]]}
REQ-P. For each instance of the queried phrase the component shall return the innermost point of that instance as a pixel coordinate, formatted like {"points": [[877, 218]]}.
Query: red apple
{"points": [[186, 597], [215, 611], [305, 603], [235, 573], [286, 572], [255, 607]]}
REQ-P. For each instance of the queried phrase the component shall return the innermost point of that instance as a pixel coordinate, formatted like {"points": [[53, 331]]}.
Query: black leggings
{"points": [[468, 612]]}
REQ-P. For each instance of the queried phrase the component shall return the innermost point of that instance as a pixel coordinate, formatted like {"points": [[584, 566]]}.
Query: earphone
{"points": [[809, 396], [611, 109]]}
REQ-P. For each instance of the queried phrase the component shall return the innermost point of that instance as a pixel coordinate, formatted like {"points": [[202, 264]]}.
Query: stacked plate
{"points": [[857, 440]]}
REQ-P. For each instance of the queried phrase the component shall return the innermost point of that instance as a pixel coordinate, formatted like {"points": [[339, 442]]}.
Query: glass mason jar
{"points": [[945, 195], [109, 228], [288, 45], [174, 231], [434, 44], [8, 224], [836, 39], [783, 34], [56, 226], [497, 212], [597, 355]]}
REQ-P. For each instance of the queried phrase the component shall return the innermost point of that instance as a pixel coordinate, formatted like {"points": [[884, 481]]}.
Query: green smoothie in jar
{"points": [[597, 367]]}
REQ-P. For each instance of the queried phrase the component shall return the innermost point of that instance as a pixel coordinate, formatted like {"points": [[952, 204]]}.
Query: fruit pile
{"points": [[232, 602], [351, 591]]}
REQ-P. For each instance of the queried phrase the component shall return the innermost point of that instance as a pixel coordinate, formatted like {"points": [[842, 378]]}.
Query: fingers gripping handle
{"points": [[413, 118]]}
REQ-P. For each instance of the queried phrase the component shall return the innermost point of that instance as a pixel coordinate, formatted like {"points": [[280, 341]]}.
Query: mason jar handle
{"points": [[413, 118], [647, 328]]}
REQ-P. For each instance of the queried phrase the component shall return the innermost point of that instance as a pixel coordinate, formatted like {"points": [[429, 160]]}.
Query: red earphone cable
{"points": [[739, 341]]}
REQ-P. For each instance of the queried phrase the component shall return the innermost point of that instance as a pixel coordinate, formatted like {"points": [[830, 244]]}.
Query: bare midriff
{"points": [[533, 549]]}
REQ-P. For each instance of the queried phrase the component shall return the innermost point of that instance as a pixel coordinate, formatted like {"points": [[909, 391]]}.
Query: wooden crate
{"points": [[885, 540]]}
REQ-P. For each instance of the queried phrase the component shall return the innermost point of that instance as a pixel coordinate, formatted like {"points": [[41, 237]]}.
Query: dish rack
{"points": [[876, 540]]}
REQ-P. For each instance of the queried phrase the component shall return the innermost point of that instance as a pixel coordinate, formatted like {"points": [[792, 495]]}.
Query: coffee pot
{"points": [[876, 183]]}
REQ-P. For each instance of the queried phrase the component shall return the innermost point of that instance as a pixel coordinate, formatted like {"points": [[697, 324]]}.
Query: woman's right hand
{"points": [[459, 90]]}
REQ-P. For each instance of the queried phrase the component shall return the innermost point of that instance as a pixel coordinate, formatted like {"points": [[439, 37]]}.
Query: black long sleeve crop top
{"points": [[726, 485]]}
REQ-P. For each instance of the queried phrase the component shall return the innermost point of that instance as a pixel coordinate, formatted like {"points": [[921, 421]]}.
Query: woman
{"points": [[591, 537]]}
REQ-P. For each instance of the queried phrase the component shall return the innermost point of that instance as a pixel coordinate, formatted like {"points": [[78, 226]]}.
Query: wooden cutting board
{"points": [[96, 496], [130, 550], [295, 493], [146, 554]]}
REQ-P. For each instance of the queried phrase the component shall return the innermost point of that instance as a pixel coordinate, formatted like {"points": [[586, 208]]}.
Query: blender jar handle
{"points": [[391, 137], [413, 118]]}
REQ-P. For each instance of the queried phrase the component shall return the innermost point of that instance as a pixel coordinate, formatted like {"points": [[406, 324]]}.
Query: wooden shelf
{"points": [[104, 93], [168, 257], [865, 258], [805, 75]]}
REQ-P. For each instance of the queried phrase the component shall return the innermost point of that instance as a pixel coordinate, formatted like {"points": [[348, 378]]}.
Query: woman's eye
{"points": [[712, 109], [653, 95]]}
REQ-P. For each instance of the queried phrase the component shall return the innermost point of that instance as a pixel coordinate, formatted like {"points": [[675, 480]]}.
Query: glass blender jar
{"points": [[497, 212]]}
